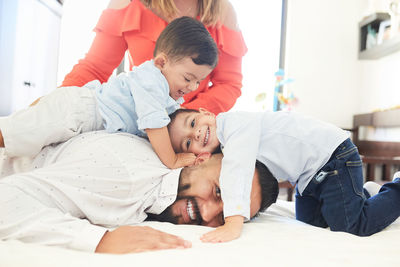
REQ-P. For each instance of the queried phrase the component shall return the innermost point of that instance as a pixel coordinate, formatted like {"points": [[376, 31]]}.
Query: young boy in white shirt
{"points": [[136, 102], [319, 157]]}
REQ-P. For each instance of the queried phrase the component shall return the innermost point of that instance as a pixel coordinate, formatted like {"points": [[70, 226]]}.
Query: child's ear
{"points": [[202, 157], [206, 112], [160, 60]]}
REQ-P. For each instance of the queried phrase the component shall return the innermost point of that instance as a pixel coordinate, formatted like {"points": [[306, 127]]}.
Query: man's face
{"points": [[194, 132], [183, 76], [199, 198]]}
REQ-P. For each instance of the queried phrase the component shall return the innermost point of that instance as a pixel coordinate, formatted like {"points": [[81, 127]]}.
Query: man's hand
{"points": [[131, 239], [1, 140], [227, 232]]}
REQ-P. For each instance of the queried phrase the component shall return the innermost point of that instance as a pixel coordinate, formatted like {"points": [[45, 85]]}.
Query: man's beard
{"points": [[165, 216], [168, 216]]}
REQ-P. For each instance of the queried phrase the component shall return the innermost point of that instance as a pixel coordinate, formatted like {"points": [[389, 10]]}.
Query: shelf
{"points": [[387, 47], [376, 17]]}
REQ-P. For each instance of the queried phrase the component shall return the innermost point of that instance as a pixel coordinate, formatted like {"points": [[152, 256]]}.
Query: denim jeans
{"points": [[334, 197]]}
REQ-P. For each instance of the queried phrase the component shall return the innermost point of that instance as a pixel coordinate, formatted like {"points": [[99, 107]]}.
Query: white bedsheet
{"points": [[275, 238]]}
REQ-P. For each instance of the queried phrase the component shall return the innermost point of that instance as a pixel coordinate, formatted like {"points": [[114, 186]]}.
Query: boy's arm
{"points": [[161, 143], [241, 137], [227, 232]]}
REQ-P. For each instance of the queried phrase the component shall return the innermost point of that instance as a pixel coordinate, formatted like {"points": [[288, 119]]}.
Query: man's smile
{"points": [[206, 136], [190, 211]]}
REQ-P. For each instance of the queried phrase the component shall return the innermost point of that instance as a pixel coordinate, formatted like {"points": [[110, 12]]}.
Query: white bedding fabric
{"points": [[275, 238]]}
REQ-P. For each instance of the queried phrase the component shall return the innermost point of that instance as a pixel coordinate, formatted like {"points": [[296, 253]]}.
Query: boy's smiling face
{"points": [[194, 132], [183, 76]]}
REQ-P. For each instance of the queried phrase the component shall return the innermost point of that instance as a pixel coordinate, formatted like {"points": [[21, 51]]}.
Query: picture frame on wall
{"points": [[383, 32]]}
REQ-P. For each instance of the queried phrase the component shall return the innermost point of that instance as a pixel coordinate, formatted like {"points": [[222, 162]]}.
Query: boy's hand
{"points": [[184, 159], [227, 232]]}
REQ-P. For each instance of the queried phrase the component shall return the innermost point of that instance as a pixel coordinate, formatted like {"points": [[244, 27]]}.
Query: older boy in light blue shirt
{"points": [[143, 90], [137, 102]]}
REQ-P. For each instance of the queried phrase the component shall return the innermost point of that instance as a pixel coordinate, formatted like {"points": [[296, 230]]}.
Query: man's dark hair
{"points": [[269, 186], [187, 37]]}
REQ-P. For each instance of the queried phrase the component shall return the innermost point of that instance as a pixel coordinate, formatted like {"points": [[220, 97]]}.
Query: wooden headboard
{"points": [[385, 153]]}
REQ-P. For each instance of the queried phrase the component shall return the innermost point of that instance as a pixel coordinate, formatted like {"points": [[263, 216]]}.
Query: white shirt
{"points": [[105, 179], [292, 146]]}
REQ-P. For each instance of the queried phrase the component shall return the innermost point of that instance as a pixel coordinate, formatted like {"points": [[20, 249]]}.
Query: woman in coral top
{"points": [[135, 25]]}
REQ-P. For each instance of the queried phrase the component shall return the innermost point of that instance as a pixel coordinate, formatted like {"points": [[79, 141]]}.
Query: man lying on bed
{"points": [[70, 194]]}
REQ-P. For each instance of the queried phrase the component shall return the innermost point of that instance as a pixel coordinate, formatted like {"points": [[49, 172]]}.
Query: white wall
{"points": [[379, 79], [262, 58], [78, 21], [379, 84], [321, 55]]}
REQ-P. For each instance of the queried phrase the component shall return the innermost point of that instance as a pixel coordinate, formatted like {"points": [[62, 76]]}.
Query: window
{"points": [[260, 24]]}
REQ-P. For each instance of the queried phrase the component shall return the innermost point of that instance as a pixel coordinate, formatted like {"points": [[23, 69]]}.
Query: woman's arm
{"points": [[159, 139], [229, 18], [118, 4]]}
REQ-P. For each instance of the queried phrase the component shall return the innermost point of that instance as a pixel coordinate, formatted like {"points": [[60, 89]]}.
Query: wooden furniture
{"points": [[289, 189], [384, 153]]}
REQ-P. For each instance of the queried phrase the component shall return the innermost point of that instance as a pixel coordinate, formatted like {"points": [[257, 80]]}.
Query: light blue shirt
{"points": [[292, 146], [134, 101]]}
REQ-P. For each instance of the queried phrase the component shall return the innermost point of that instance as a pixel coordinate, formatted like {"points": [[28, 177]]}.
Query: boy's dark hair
{"points": [[187, 37], [173, 115], [269, 186]]}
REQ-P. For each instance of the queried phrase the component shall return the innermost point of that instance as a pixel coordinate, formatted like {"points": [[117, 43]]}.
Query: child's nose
{"points": [[192, 86], [198, 134]]}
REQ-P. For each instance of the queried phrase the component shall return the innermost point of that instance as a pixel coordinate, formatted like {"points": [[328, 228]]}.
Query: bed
{"points": [[274, 238]]}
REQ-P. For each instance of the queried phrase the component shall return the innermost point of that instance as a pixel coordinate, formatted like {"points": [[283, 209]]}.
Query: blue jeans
{"points": [[335, 197]]}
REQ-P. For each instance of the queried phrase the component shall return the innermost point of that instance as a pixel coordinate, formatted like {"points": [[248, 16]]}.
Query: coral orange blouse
{"points": [[137, 28]]}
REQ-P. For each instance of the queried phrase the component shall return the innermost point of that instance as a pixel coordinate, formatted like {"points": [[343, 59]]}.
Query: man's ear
{"points": [[206, 112], [202, 157], [160, 60]]}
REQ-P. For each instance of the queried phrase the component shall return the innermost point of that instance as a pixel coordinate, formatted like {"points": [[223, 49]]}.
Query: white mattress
{"points": [[275, 238]]}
